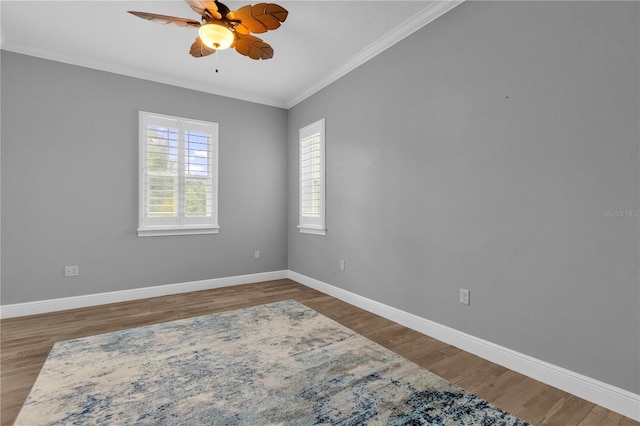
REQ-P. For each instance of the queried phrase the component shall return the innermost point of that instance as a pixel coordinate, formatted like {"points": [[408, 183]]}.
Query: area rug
{"points": [[281, 363]]}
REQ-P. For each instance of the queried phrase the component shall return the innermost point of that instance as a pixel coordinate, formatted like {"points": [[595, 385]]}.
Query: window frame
{"points": [[315, 225], [182, 224]]}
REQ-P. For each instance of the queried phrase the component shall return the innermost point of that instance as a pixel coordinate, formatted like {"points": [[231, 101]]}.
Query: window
{"points": [[312, 182], [178, 176]]}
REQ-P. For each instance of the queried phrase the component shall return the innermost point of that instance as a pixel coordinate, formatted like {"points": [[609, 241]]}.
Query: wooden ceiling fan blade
{"points": [[253, 47], [277, 11], [260, 18], [269, 21], [166, 20], [206, 8], [199, 49]]}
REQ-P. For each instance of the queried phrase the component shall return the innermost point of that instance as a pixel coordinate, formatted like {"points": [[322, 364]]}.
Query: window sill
{"points": [[312, 230], [163, 232]]}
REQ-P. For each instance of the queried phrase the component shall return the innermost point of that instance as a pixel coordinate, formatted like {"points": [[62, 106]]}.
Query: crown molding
{"points": [[29, 50], [434, 10]]}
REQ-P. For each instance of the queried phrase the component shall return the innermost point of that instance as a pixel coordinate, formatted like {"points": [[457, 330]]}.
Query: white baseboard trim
{"points": [[63, 304], [608, 396]]}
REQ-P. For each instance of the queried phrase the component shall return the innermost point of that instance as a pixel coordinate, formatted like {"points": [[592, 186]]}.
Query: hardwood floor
{"points": [[26, 341]]}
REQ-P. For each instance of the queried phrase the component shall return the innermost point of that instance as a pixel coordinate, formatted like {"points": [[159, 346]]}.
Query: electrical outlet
{"points": [[256, 254], [464, 296], [342, 265], [71, 271]]}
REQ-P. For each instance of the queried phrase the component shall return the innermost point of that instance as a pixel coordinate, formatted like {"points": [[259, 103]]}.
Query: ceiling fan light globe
{"points": [[216, 36]]}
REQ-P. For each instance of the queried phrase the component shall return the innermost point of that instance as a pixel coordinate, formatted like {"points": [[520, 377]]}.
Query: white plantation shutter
{"points": [[160, 176], [178, 175], [198, 173], [312, 181], [310, 176]]}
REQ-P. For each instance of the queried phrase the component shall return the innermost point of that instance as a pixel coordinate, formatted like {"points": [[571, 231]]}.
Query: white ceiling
{"points": [[319, 42]]}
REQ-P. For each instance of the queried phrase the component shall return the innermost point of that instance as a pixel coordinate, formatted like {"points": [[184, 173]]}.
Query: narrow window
{"points": [[178, 176], [312, 181]]}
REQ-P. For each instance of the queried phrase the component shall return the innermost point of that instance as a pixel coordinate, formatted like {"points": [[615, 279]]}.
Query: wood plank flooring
{"points": [[26, 342]]}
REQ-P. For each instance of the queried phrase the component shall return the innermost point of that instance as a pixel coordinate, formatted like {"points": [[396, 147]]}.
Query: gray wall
{"points": [[482, 152], [70, 184]]}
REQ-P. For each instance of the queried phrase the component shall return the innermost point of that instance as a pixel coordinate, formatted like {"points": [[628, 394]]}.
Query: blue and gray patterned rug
{"points": [[280, 363]]}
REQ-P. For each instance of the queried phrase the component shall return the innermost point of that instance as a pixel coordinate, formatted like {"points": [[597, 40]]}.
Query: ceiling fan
{"points": [[222, 28]]}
